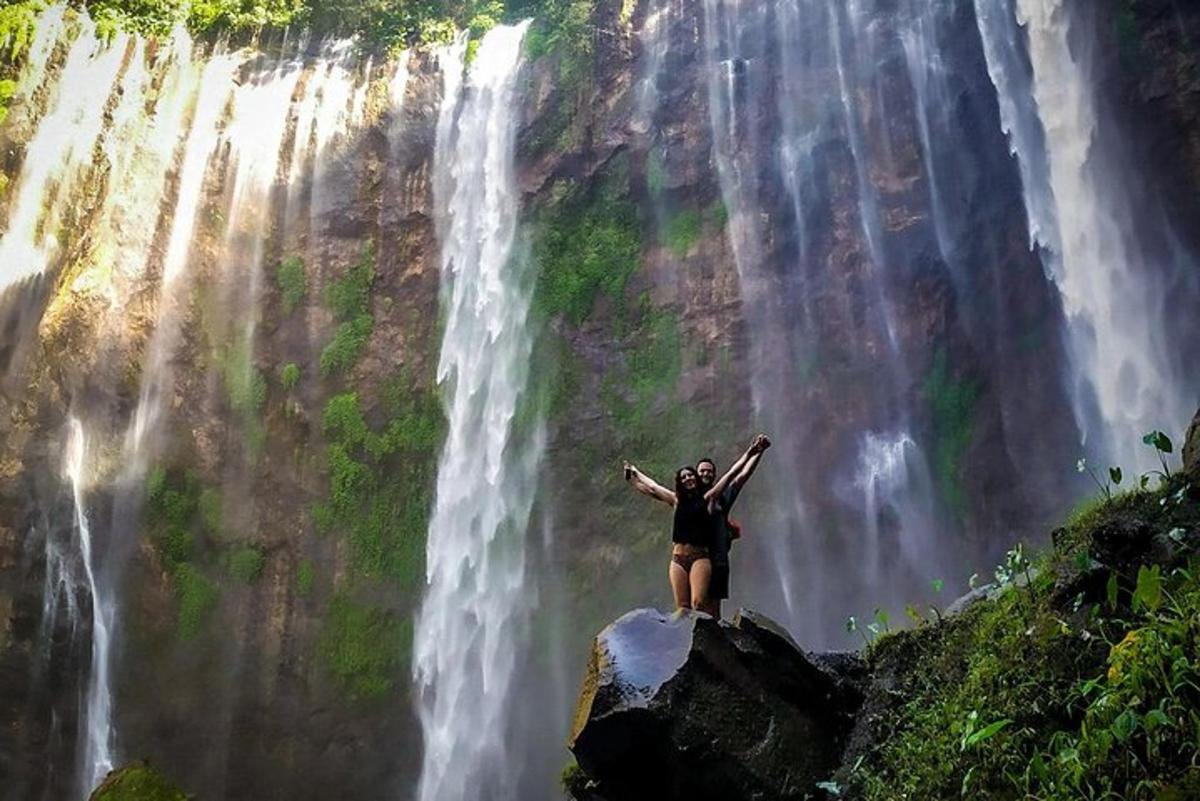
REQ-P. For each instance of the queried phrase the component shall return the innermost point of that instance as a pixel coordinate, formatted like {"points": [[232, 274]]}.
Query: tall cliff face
{"points": [[796, 216]]}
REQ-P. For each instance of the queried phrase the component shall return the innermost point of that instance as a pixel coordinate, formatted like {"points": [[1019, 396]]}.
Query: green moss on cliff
{"points": [[1084, 685], [305, 575], [181, 516], [682, 231], [349, 298], [245, 563], [380, 481], [365, 647], [586, 246], [289, 376], [952, 409], [196, 597], [138, 782], [292, 281]]}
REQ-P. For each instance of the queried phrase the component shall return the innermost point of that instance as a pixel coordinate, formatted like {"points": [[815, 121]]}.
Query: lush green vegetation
{"points": [[179, 514], [586, 246], [952, 407], [349, 298], [245, 389], [196, 596], [682, 231], [289, 376], [382, 25], [380, 481], [1083, 683], [137, 783], [293, 283], [365, 647], [18, 22], [7, 88], [245, 563]]}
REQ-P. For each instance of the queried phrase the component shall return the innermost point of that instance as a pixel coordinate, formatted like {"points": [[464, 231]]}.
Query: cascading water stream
{"points": [[59, 154], [1114, 292], [474, 619], [97, 752], [216, 82], [770, 174], [736, 150]]}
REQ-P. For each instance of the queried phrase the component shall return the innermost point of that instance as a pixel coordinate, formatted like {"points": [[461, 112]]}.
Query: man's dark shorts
{"points": [[718, 586]]}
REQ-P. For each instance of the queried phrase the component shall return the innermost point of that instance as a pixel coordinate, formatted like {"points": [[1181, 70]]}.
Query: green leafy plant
{"points": [[245, 563], [1106, 487], [1162, 446], [289, 376], [973, 734], [196, 597], [18, 22], [1042, 694], [349, 298], [381, 480], [292, 281]]}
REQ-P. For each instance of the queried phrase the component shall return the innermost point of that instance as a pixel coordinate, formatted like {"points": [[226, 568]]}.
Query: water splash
{"points": [[897, 502], [97, 755], [475, 616]]}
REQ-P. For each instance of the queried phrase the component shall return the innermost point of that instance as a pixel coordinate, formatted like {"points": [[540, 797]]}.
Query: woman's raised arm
{"points": [[648, 486]]}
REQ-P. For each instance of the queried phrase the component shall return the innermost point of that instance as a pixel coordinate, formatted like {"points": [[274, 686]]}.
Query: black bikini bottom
{"points": [[689, 555]]}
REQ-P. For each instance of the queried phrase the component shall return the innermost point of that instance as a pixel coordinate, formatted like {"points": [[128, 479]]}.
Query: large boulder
{"points": [[684, 706], [137, 782], [1191, 448]]}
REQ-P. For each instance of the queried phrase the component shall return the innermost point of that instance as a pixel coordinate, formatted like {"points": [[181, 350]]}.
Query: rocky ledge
{"points": [[685, 706], [1088, 660]]}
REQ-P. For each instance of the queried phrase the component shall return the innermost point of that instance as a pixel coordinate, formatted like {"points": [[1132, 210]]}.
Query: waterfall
{"points": [[770, 174], [215, 85], [736, 152], [97, 752], [474, 619], [891, 474], [1003, 47], [60, 153], [1114, 289]]}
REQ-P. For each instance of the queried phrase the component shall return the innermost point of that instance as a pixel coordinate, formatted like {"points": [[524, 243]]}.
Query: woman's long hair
{"points": [[683, 492]]}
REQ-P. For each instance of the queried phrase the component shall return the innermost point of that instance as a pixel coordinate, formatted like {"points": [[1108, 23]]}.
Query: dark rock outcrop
{"points": [[684, 706]]}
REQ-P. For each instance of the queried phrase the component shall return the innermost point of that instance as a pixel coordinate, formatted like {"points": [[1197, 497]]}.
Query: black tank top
{"points": [[693, 524]]}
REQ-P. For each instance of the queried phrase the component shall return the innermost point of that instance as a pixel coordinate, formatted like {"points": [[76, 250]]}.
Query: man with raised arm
{"points": [[725, 532]]}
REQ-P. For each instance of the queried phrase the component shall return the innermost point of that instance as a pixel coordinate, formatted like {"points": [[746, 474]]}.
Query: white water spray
{"points": [[1113, 295], [897, 501], [475, 616]]}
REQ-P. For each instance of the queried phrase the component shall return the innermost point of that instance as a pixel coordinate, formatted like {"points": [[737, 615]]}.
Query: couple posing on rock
{"points": [[702, 532]]}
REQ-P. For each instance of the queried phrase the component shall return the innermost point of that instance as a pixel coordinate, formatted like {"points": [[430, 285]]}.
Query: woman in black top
{"points": [[694, 524]]}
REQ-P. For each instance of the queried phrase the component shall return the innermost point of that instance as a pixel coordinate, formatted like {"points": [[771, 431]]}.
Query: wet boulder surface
{"points": [[685, 706]]}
